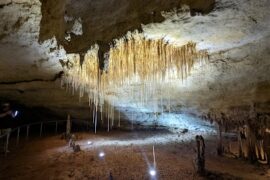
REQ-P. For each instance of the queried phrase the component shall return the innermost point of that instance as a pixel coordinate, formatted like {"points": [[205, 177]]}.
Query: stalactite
{"points": [[119, 119], [101, 112], [93, 115], [112, 114], [96, 116], [108, 125], [133, 59], [132, 120]]}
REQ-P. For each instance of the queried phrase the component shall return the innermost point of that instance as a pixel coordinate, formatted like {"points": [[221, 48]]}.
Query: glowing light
{"points": [[101, 154], [15, 114], [89, 142], [152, 172]]}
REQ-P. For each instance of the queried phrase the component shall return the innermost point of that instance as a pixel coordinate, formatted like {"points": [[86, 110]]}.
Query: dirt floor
{"points": [[127, 156]]}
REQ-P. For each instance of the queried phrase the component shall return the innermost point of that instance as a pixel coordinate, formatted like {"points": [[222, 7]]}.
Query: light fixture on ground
{"points": [[101, 154], [152, 172]]}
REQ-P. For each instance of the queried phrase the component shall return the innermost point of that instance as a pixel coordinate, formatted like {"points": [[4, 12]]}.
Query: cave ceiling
{"points": [[37, 37]]}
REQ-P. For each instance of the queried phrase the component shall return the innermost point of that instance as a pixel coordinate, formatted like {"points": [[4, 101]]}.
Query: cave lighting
{"points": [[15, 114], [101, 154], [152, 172]]}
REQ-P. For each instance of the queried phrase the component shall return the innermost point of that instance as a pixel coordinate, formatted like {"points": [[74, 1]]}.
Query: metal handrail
{"points": [[7, 134], [40, 122]]}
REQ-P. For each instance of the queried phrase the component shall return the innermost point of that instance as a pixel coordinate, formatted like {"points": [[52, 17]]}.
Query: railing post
{"points": [[7, 141], [27, 132], [68, 127], [56, 124], [18, 136], [41, 126]]}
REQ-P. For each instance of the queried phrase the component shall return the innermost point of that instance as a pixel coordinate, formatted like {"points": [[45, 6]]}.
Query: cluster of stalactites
{"points": [[151, 60], [133, 59]]}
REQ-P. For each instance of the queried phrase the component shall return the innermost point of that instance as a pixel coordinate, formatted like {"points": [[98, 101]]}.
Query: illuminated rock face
{"points": [[39, 40]]}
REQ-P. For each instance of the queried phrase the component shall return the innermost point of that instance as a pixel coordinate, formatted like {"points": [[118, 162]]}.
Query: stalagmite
{"points": [[200, 160], [96, 120]]}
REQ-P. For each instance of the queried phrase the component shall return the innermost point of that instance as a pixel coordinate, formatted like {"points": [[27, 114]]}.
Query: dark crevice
{"points": [[57, 76], [3, 5], [103, 55]]}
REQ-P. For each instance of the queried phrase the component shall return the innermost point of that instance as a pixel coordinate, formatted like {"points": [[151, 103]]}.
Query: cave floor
{"points": [[128, 155]]}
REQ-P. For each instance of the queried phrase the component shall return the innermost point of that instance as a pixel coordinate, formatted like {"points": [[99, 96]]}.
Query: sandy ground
{"points": [[128, 155]]}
